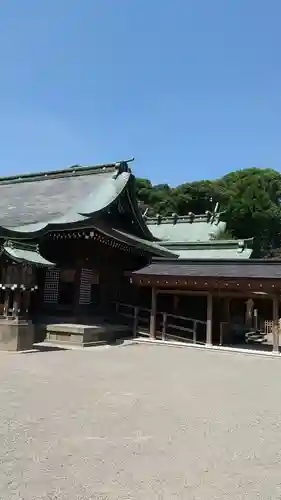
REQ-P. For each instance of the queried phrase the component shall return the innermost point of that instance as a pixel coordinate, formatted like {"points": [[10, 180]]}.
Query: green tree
{"points": [[249, 200], [252, 208]]}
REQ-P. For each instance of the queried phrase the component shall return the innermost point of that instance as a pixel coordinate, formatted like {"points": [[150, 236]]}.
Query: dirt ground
{"points": [[140, 422]]}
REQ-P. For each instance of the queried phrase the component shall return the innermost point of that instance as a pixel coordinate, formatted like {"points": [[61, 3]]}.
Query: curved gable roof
{"points": [[47, 197], [31, 204]]}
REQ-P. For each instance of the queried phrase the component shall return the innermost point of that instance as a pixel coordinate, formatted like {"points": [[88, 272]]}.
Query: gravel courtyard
{"points": [[140, 422]]}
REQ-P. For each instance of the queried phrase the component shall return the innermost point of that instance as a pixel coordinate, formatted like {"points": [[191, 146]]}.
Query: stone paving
{"points": [[140, 422]]}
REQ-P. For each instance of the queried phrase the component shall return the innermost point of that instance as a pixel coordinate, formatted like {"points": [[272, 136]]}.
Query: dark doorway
{"points": [[67, 289]]}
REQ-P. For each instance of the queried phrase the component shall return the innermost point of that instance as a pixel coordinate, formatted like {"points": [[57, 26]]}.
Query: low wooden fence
{"points": [[168, 326]]}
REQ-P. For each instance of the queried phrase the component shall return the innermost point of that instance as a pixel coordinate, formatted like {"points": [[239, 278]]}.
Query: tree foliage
{"points": [[248, 199]]}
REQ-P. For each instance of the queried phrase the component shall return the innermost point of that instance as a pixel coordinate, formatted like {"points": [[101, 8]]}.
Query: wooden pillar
{"points": [[249, 313], [164, 326], [17, 303], [226, 309], [276, 323], [153, 313], [6, 302], [225, 323], [209, 319], [26, 302], [136, 321]]}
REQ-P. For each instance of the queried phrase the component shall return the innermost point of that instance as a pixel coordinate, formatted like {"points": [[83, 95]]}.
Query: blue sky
{"points": [[190, 88]]}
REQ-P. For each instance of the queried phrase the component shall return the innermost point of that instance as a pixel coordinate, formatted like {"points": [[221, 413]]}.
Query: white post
{"points": [[209, 319], [275, 324], [152, 329]]}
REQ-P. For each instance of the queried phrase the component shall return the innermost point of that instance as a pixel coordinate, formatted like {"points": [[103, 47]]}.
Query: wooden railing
{"points": [[168, 326], [138, 316], [195, 327]]}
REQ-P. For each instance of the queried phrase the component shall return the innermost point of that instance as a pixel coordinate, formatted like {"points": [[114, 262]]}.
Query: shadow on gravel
{"points": [[37, 348], [45, 348], [122, 342]]}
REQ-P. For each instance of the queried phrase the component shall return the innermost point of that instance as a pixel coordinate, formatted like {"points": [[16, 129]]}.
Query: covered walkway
{"points": [[229, 288]]}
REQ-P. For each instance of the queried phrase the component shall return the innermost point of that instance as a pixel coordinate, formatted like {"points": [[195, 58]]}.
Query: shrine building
{"points": [[75, 247]]}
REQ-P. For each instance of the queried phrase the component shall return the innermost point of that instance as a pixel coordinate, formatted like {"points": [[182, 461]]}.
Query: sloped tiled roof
{"points": [[33, 204], [25, 253], [262, 269], [149, 246], [186, 229], [45, 197]]}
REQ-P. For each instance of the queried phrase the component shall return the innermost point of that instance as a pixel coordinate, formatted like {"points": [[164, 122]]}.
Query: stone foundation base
{"points": [[84, 335], [16, 335]]}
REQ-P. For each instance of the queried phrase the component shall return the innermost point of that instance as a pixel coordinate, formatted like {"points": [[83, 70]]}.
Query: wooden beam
{"points": [[216, 293], [245, 285], [180, 292]]}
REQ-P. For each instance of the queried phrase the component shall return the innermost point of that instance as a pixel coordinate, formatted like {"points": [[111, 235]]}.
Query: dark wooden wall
{"points": [[109, 264]]}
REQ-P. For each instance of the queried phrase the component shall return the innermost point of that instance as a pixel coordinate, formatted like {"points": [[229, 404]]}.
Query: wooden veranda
{"points": [[220, 283]]}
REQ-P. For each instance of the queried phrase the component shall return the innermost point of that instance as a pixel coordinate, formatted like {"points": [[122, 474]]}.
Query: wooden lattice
{"points": [[51, 286], [85, 286], [268, 326]]}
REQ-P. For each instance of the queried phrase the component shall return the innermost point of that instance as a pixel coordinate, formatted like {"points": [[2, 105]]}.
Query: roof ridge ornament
{"points": [[145, 214], [208, 215], [191, 216], [215, 215], [122, 167], [21, 245], [175, 218]]}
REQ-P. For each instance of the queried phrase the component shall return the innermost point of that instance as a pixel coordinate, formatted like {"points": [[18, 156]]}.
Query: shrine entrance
{"points": [[67, 289]]}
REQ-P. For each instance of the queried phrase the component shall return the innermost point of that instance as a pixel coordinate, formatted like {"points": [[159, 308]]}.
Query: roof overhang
{"points": [[253, 275], [147, 246], [25, 254], [118, 185]]}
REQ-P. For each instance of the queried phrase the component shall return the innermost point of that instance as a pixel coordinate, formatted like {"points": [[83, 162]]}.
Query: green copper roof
{"points": [[25, 253], [87, 197], [186, 229], [214, 253], [148, 246], [32, 204], [217, 249]]}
